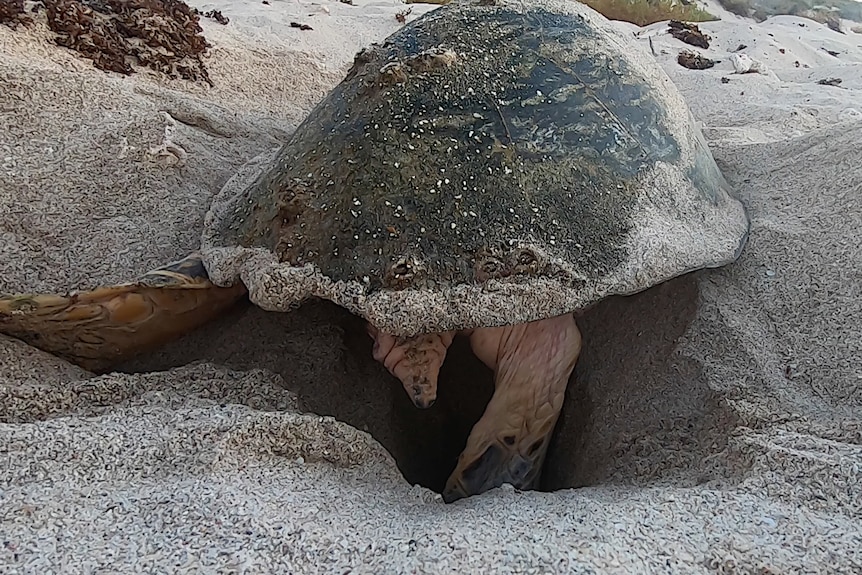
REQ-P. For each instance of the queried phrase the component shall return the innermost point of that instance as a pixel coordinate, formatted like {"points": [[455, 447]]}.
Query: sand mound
{"points": [[715, 422]]}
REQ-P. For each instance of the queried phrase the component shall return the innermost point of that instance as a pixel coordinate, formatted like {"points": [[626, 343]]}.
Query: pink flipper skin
{"points": [[532, 364]]}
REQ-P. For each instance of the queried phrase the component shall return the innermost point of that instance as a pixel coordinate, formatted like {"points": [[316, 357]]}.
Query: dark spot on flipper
{"points": [[535, 447], [477, 472], [509, 440], [518, 472], [493, 468]]}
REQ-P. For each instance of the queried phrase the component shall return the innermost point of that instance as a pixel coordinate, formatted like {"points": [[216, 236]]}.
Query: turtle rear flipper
{"points": [[97, 328]]}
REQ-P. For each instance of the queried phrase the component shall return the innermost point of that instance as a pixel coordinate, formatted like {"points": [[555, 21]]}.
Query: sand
{"points": [[714, 424]]}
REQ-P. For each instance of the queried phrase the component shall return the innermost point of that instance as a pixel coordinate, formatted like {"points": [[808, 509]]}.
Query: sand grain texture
{"points": [[715, 424]]}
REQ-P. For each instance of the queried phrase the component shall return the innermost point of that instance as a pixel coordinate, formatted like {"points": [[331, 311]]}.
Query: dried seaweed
{"points": [[12, 13], [694, 61], [688, 33], [829, 81], [402, 16], [164, 35], [215, 15]]}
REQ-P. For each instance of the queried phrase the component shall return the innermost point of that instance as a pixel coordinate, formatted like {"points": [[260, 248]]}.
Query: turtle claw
{"points": [[187, 273], [423, 401]]}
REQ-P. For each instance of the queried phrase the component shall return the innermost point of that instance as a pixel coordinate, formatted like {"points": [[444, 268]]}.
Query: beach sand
{"points": [[714, 424]]}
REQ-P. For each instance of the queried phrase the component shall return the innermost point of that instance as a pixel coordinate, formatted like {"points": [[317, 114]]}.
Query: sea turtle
{"points": [[487, 171]]}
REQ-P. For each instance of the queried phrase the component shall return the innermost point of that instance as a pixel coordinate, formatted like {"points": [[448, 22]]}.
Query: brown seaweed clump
{"points": [[12, 13], [214, 15], [164, 35], [688, 33], [694, 61]]}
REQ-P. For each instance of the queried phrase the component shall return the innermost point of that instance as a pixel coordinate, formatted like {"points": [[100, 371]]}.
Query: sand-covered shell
{"points": [[489, 163]]}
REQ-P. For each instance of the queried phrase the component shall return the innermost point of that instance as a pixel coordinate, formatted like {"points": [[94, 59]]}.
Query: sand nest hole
{"points": [[636, 410]]}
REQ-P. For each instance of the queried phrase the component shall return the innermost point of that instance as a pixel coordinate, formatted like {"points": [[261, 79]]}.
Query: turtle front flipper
{"points": [[532, 363], [95, 329]]}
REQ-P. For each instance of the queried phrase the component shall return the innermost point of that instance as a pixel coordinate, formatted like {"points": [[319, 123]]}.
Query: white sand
{"points": [[717, 425]]}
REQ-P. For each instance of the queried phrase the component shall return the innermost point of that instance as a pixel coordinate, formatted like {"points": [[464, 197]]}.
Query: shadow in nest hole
{"points": [[628, 384]]}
